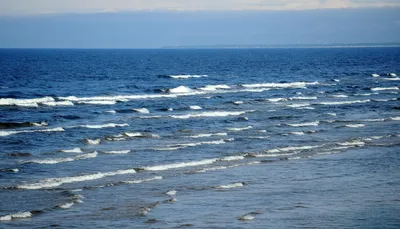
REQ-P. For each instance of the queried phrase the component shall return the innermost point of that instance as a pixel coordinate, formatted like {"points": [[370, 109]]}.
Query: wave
{"points": [[111, 112], [344, 102], [58, 103], [117, 152], [280, 85], [299, 105], [180, 89], [55, 182], [92, 141], [208, 135], [303, 98], [195, 107], [62, 160], [392, 79], [374, 75], [74, 150], [179, 165], [395, 118], [98, 102], [108, 125], [25, 102], [276, 99], [193, 144], [142, 110], [7, 133], [214, 87], [384, 88], [316, 123], [210, 114], [140, 135], [352, 143], [10, 125], [229, 186], [187, 76], [143, 180], [339, 96], [355, 125], [237, 102], [240, 128], [20, 215]]}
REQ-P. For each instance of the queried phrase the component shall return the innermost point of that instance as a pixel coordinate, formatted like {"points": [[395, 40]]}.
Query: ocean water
{"points": [[257, 138]]}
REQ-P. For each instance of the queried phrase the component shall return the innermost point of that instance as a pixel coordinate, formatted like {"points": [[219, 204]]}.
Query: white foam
{"points": [[24, 102], [98, 102], [339, 96], [74, 150], [316, 123], [392, 79], [195, 107], [214, 87], [209, 114], [395, 118], [352, 143], [5, 218], [240, 128], [92, 141], [143, 180], [237, 102], [392, 74], [58, 103], [118, 152], [137, 134], [297, 105], [180, 89], [247, 218], [332, 114], [111, 112], [171, 193], [55, 182], [281, 85], [384, 88], [108, 125], [193, 144], [62, 160], [67, 205], [303, 98], [374, 75], [187, 76], [207, 135], [180, 165], [142, 110], [297, 133], [7, 133], [355, 125], [232, 158], [229, 186], [344, 102], [277, 99]]}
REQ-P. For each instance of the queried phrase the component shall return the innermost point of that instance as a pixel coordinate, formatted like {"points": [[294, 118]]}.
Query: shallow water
{"points": [[274, 138]]}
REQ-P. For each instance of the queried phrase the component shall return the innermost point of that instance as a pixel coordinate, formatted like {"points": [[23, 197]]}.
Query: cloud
{"points": [[91, 6]]}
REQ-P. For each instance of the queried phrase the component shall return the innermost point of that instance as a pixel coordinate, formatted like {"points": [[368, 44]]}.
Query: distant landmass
{"points": [[263, 46]]}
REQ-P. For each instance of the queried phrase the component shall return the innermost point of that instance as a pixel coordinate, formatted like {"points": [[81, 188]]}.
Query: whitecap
{"points": [[187, 76], [332, 114], [108, 125], [98, 102], [24, 102], [240, 128], [74, 150], [237, 102], [229, 186], [195, 107], [67, 205], [281, 85], [92, 141], [111, 112], [208, 135], [339, 96], [316, 123], [352, 143], [142, 110], [180, 89], [303, 98], [179, 165], [297, 133], [117, 152], [297, 105], [58, 103], [355, 125], [246, 218], [7, 133], [392, 79], [143, 180], [62, 160], [232, 158], [214, 87], [55, 182], [344, 102], [374, 75], [384, 88], [209, 114], [276, 99], [392, 74], [171, 193], [395, 118]]}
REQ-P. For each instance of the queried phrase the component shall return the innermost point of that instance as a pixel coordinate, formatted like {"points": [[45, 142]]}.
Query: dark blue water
{"points": [[254, 138]]}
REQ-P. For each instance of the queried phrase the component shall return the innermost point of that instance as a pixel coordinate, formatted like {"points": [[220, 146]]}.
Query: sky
{"points": [[158, 23]]}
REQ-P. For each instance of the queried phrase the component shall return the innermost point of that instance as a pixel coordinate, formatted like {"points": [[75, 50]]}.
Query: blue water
{"points": [[257, 138]]}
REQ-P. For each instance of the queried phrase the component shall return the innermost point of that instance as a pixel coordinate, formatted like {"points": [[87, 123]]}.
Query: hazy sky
{"points": [[157, 23], [22, 7]]}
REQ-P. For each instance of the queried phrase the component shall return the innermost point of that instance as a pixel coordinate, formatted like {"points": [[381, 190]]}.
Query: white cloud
{"points": [[88, 6]]}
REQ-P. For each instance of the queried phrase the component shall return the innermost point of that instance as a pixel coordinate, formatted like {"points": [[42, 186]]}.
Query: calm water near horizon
{"points": [[210, 138]]}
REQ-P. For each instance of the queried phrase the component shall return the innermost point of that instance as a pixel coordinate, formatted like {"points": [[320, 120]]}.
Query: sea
{"points": [[200, 138]]}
